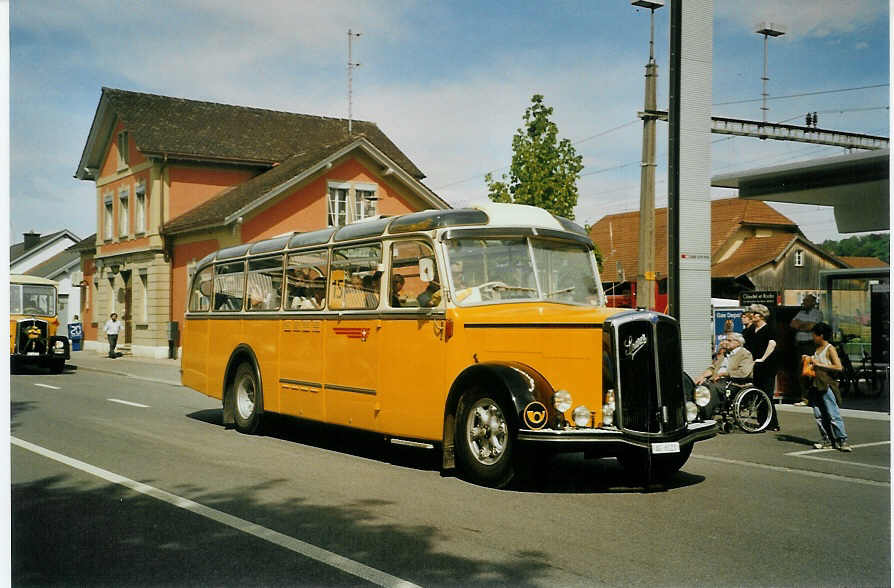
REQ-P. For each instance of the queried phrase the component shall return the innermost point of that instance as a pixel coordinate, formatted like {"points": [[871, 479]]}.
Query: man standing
{"points": [[112, 328], [803, 323]]}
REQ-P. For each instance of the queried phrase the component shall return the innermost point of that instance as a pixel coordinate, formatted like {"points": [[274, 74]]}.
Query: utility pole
{"points": [[645, 275], [351, 66], [767, 29]]}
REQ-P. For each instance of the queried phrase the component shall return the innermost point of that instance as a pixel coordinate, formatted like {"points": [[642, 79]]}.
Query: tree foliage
{"points": [[874, 245], [544, 169]]}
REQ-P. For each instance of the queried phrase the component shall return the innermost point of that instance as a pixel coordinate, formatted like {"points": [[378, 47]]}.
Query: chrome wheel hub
{"points": [[245, 397], [486, 431]]}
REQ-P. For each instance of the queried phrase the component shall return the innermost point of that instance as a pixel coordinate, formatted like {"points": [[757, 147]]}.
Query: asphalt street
{"points": [[121, 480]]}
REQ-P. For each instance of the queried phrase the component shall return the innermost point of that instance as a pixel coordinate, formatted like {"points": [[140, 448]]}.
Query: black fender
{"points": [[242, 352], [515, 383], [51, 344]]}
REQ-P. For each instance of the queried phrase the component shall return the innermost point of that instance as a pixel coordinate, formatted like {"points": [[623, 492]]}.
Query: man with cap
{"points": [[762, 345], [803, 322]]}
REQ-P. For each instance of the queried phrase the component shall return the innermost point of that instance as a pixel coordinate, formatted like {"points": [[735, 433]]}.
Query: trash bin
{"points": [[76, 335]]}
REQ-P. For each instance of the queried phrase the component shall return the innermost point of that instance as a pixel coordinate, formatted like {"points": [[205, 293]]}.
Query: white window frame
{"points": [[335, 206], [124, 211], [108, 216], [140, 208], [799, 258], [122, 149], [358, 206], [144, 282]]}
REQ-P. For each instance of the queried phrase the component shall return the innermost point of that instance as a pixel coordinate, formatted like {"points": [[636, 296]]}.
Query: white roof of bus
{"points": [[23, 279], [517, 215]]}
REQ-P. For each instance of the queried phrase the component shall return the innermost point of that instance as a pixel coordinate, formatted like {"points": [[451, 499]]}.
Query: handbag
{"points": [[807, 370]]}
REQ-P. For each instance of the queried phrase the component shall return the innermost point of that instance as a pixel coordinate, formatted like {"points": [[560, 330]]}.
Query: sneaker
{"points": [[822, 445], [843, 446]]}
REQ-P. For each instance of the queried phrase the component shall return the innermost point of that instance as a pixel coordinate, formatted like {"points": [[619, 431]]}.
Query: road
{"points": [[123, 482]]}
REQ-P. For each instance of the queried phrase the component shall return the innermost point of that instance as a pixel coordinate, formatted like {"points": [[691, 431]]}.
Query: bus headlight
{"points": [[702, 395], [59, 345], [691, 411], [562, 400], [581, 416]]}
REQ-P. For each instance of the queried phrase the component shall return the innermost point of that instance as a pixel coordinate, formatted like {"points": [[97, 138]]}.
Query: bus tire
{"points": [[246, 392], [57, 365], [484, 439]]}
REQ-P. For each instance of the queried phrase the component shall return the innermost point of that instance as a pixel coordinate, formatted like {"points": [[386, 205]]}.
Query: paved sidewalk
{"points": [[166, 371]]}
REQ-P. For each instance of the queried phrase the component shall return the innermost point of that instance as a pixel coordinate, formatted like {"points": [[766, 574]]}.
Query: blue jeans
{"points": [[828, 418]]}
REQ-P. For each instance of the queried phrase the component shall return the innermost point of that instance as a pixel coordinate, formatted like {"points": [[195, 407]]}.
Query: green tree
{"points": [[874, 245], [544, 170]]}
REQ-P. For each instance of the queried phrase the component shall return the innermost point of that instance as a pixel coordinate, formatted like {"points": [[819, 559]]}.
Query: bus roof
{"points": [[488, 214], [23, 279]]}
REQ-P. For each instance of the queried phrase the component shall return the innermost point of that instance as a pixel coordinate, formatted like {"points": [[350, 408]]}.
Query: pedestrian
{"points": [[823, 391], [803, 322], [761, 342], [112, 328]]}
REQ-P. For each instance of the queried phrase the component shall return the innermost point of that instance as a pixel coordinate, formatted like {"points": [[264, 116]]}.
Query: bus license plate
{"points": [[671, 447], [32, 353]]}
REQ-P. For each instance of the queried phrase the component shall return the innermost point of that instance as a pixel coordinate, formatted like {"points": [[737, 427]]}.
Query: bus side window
{"points": [[407, 289], [355, 278], [264, 283], [305, 287], [200, 299], [229, 286]]}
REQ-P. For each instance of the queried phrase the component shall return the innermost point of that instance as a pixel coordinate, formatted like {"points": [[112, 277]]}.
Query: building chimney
{"points": [[31, 239]]}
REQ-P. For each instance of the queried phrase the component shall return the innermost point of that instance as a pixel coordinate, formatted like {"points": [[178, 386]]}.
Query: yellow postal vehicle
{"points": [[33, 324], [478, 332]]}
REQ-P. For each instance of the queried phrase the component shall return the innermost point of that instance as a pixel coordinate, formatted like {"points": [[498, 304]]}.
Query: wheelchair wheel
{"points": [[752, 410]]}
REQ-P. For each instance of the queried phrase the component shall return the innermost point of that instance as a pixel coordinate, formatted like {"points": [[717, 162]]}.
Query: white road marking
{"points": [[786, 470], [853, 463], [811, 451], [48, 386], [329, 558], [127, 403]]}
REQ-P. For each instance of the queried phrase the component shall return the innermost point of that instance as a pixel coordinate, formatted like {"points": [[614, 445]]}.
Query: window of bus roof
{"points": [[311, 238], [362, 229], [437, 219]]}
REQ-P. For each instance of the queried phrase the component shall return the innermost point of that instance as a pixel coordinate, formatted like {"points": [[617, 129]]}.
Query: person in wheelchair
{"points": [[733, 363]]}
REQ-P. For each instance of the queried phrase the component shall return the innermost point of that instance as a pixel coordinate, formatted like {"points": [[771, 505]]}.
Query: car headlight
{"points": [[562, 400], [59, 345], [691, 411], [581, 416], [702, 395]]}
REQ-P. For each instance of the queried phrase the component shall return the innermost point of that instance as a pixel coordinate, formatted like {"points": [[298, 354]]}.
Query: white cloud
{"points": [[803, 18]]}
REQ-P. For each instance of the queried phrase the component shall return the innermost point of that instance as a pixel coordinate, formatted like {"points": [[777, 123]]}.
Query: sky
{"points": [[448, 82]]}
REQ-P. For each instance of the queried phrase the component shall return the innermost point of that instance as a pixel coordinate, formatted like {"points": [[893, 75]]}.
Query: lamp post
{"points": [[767, 29], [645, 276]]}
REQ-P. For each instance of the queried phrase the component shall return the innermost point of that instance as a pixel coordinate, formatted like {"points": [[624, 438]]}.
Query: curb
{"points": [[126, 375], [845, 412]]}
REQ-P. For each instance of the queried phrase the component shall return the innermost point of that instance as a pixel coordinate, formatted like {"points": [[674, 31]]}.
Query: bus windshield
{"points": [[32, 299], [521, 268]]}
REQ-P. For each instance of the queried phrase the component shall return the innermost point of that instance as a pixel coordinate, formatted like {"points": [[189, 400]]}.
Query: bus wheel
{"points": [[246, 399], [484, 441], [653, 468]]}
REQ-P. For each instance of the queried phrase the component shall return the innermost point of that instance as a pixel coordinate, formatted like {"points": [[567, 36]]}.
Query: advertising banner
{"points": [[726, 320]]}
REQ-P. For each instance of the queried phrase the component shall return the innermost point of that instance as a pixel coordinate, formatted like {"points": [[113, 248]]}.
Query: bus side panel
{"points": [[352, 371], [262, 335], [194, 358], [301, 368], [224, 335], [413, 390]]}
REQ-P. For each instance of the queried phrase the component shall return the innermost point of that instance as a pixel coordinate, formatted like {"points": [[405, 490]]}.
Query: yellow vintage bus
{"points": [[477, 332], [33, 324]]}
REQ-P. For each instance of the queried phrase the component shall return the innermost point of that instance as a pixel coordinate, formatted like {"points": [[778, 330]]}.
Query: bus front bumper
{"points": [[606, 440]]}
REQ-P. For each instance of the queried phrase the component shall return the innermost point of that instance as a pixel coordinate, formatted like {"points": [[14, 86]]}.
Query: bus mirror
{"points": [[426, 269]]}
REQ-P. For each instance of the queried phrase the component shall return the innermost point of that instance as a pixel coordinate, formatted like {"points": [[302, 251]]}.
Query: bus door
{"points": [[301, 335], [412, 373], [352, 334], [195, 330]]}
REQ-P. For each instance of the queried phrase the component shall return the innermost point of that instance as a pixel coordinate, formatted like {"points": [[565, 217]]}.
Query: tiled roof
{"points": [[863, 261], [752, 254], [208, 130], [618, 234], [17, 250], [51, 267], [86, 244]]}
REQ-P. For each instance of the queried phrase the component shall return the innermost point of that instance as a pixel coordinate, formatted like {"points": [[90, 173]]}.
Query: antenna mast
{"points": [[351, 66]]}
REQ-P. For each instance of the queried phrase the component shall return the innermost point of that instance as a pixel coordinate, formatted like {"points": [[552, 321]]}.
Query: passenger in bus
{"points": [[397, 284], [370, 285], [431, 296]]}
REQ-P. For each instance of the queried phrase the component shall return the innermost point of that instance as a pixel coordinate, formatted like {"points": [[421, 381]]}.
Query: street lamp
{"points": [[645, 277], [767, 29]]}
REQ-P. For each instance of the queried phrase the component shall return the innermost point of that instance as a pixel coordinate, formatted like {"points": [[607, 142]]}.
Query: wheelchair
{"points": [[735, 403]]}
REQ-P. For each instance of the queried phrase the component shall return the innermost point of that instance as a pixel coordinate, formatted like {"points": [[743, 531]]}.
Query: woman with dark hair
{"points": [[822, 395]]}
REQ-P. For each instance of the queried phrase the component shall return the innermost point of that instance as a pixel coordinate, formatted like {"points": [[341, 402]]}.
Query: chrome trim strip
{"points": [[407, 443], [300, 383], [696, 432], [350, 389], [533, 325]]}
